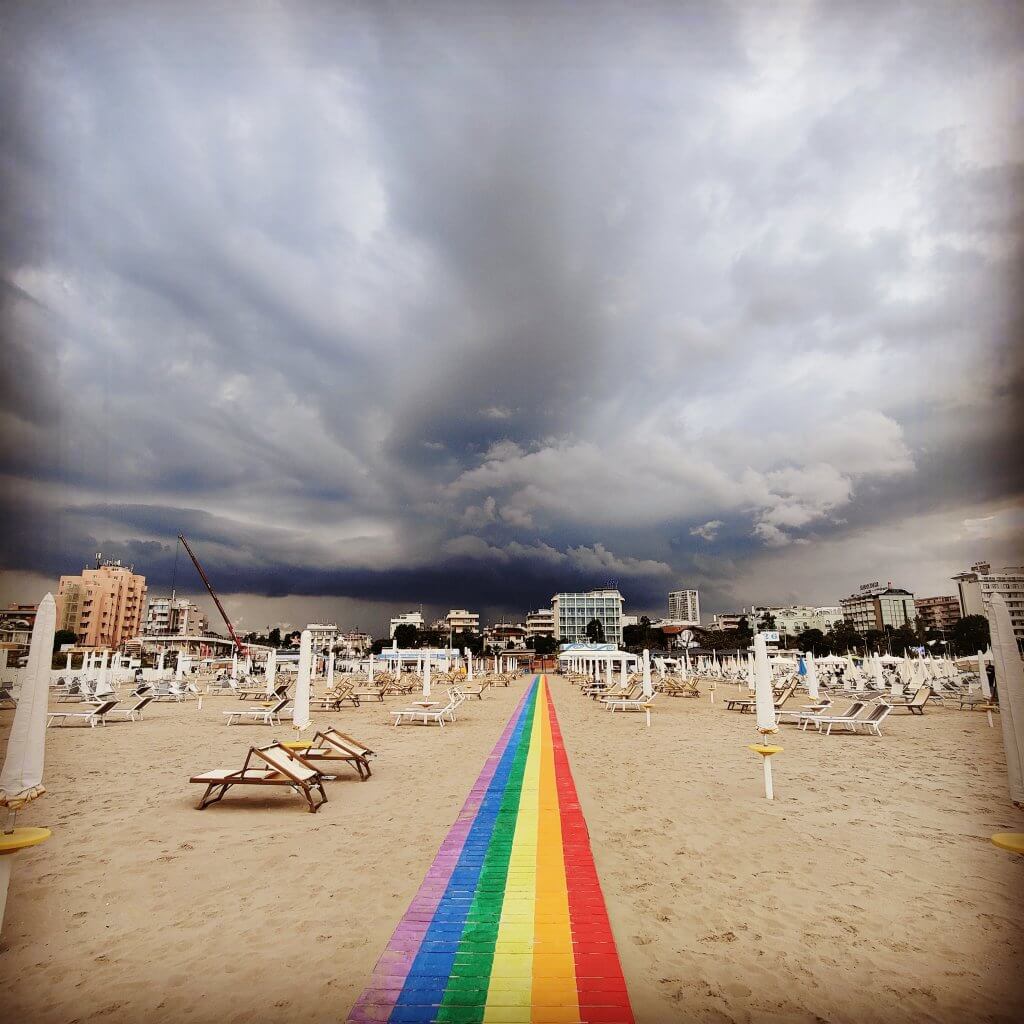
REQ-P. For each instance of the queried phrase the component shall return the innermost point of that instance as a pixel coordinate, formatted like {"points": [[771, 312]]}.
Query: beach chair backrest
{"points": [[279, 706], [142, 703], [350, 744], [878, 712], [281, 760], [921, 697], [106, 706]]}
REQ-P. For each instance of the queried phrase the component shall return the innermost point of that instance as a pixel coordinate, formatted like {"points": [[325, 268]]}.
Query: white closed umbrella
{"points": [[234, 664], [330, 670], [271, 671], [426, 678], [764, 706], [751, 683], [876, 673], [986, 690], [103, 687], [300, 714], [369, 668], [648, 685], [812, 677], [1010, 680], [764, 699], [469, 665], [608, 673], [21, 779]]}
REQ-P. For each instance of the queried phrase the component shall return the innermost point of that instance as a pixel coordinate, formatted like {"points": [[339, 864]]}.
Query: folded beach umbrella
{"points": [[812, 677], [877, 675], [103, 687], [751, 684], [764, 699], [648, 685], [300, 713], [426, 678], [986, 690], [1010, 679], [21, 779], [271, 671]]}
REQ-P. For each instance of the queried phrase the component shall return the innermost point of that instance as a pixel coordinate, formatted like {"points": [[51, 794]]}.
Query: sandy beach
{"points": [[868, 891]]}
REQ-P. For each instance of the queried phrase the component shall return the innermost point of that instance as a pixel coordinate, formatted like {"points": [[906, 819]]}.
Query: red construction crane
{"points": [[216, 599]]}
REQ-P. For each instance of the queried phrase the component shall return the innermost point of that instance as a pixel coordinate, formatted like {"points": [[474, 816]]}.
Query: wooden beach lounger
{"points": [[94, 716], [280, 767], [916, 703], [331, 745], [746, 704], [264, 716]]}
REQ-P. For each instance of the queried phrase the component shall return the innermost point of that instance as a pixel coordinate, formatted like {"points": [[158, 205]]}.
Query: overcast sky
{"points": [[465, 304]]}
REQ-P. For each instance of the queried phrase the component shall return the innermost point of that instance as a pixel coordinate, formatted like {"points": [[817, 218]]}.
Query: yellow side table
{"points": [[1012, 841]]}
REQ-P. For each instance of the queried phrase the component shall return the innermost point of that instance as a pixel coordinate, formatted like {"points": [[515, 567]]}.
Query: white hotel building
{"points": [[572, 612], [978, 586]]}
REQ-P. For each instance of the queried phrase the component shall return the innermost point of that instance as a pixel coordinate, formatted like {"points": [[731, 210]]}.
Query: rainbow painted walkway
{"points": [[510, 924]]}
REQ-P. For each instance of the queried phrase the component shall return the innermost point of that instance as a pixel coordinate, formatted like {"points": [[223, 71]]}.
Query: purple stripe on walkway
{"points": [[378, 1000]]}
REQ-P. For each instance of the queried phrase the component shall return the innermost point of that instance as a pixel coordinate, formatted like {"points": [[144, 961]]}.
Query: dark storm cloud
{"points": [[469, 303]]}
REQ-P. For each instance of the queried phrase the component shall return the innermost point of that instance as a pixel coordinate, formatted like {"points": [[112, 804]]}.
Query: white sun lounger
{"points": [[849, 721], [132, 714], [629, 703], [94, 716], [427, 715], [263, 716]]}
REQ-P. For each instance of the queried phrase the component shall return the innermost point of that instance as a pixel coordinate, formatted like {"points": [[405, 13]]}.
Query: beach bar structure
{"points": [[597, 659]]}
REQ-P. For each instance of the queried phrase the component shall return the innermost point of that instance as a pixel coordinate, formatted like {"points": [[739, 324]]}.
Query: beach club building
{"points": [[572, 612]]}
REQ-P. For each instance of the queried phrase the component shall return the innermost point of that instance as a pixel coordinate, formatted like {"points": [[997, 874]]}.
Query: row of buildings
{"points": [[105, 606]]}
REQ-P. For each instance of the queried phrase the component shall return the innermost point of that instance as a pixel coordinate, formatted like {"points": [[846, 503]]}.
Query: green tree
{"points": [[874, 640], [901, 639], [544, 646], [406, 635], [970, 635], [595, 631], [63, 636], [274, 637], [470, 639], [843, 638], [767, 621], [813, 640]]}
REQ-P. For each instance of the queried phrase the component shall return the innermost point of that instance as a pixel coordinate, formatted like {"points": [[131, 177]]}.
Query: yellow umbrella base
{"points": [[21, 838], [1012, 841], [763, 749], [297, 745]]}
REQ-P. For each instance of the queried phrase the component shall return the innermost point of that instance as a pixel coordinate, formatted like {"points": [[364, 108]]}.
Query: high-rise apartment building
{"points": [[323, 636], [875, 607], [977, 587], [459, 620], [166, 616], [540, 622], [103, 606], [938, 612], [572, 612], [684, 606]]}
